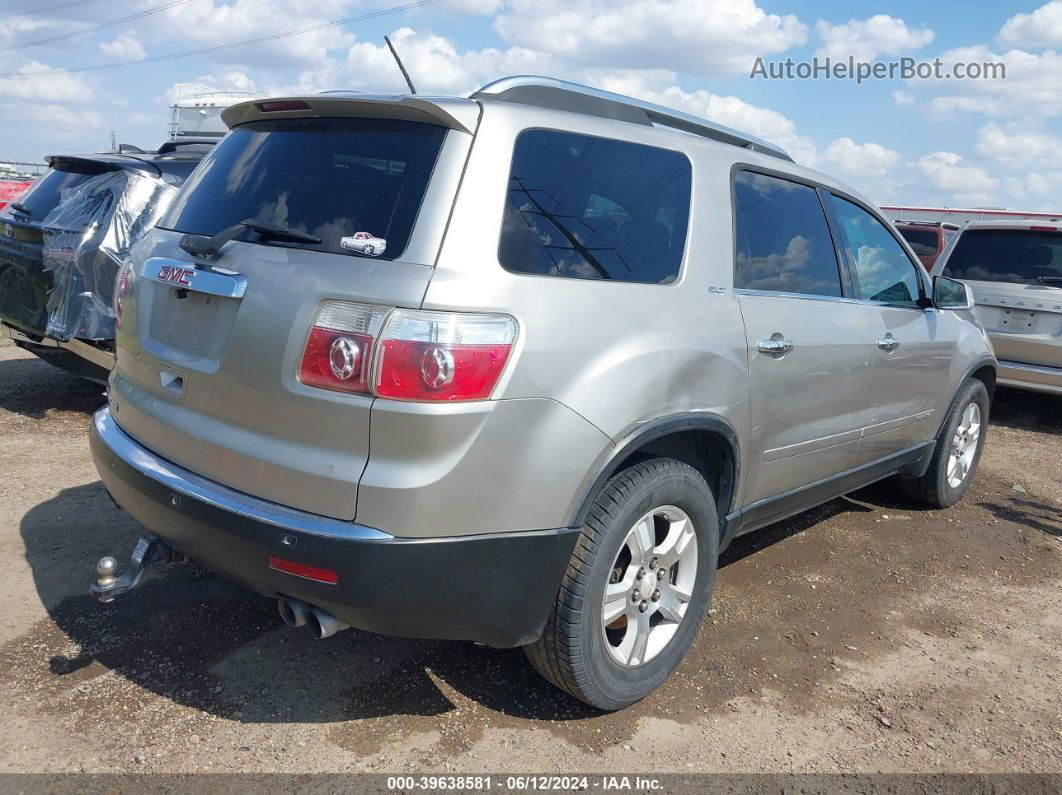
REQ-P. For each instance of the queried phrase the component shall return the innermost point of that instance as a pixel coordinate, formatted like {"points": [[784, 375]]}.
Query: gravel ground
{"points": [[864, 635]]}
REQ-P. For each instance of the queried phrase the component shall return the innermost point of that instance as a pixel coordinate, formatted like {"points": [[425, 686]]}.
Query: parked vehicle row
{"points": [[506, 369], [63, 241]]}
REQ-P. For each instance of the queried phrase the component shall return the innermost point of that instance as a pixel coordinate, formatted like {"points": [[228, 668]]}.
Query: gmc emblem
{"points": [[181, 276]]}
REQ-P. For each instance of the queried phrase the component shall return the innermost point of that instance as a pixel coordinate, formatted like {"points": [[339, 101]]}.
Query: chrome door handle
{"points": [[888, 343], [776, 346]]}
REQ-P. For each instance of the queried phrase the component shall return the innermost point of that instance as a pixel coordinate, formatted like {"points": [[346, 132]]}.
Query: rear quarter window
{"points": [[582, 207]]}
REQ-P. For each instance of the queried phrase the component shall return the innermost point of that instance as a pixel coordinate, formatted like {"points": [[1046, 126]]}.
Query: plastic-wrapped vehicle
{"points": [[63, 242]]}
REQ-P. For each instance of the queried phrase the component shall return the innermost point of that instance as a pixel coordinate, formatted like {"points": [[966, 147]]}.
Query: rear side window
{"points": [[47, 192], [783, 238], [592, 208], [923, 241], [1007, 255], [357, 184], [881, 269]]}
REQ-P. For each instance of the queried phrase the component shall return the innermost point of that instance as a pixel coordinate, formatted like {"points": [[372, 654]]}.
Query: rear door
{"points": [[1016, 276], [911, 350], [808, 347], [208, 371]]}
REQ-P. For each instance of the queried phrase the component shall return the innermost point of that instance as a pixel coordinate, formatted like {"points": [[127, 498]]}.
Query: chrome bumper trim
{"points": [[182, 481]]}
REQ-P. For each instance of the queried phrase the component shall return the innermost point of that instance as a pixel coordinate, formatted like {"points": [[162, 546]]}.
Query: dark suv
{"points": [[63, 241]]}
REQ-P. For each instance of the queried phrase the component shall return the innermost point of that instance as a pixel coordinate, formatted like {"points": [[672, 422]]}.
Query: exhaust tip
{"points": [[323, 624], [292, 611]]}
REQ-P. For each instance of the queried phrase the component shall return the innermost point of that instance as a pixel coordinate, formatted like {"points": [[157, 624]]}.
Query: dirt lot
{"points": [[864, 635]]}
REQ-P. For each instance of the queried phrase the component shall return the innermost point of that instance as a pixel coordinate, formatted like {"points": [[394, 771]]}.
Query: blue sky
{"points": [[969, 143]]}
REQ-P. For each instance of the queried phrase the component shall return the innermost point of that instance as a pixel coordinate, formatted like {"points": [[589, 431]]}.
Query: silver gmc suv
{"points": [[515, 368]]}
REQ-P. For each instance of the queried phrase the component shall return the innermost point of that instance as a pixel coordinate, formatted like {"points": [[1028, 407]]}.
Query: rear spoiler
{"points": [[168, 147], [455, 113], [95, 165]]}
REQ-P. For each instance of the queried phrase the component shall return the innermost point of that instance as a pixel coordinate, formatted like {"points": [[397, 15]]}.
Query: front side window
{"points": [[881, 270], [1007, 255], [783, 239], [582, 207], [355, 184]]}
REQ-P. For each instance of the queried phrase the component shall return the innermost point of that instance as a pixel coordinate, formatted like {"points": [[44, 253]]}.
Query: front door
{"points": [[911, 348]]}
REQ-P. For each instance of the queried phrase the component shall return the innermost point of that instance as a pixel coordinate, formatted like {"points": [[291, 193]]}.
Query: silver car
{"points": [[604, 338], [1015, 271]]}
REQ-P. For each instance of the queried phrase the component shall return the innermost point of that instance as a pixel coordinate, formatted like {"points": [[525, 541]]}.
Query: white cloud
{"points": [[1030, 89], [970, 184], [1020, 146], [902, 99], [861, 160], [866, 39], [61, 87], [434, 63], [204, 24], [124, 48], [680, 35], [1041, 28], [483, 7], [61, 123], [731, 111], [15, 28]]}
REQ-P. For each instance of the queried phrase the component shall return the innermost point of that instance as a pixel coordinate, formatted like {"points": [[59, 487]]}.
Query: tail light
{"points": [[414, 355], [338, 352], [442, 355], [124, 283]]}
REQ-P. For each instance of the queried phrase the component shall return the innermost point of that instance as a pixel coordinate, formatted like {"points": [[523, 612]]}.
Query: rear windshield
{"points": [[356, 184], [46, 192], [923, 241], [1007, 255]]}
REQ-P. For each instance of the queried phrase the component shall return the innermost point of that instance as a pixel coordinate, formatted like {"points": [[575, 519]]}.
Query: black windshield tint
{"points": [[1007, 255], [356, 184], [923, 241], [47, 192]]}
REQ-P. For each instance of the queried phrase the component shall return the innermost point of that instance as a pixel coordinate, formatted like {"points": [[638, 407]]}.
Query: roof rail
{"points": [[548, 92]]}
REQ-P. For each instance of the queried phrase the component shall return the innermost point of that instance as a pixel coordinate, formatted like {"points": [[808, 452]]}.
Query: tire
{"points": [[576, 651], [938, 488]]}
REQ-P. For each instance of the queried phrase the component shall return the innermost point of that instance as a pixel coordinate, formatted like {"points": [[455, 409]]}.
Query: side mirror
{"points": [[951, 294]]}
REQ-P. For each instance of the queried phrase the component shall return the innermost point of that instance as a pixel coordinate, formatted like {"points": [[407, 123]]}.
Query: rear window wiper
{"points": [[1049, 279], [20, 207], [201, 246]]}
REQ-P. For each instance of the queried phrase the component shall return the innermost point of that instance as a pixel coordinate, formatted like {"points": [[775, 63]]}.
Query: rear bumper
{"points": [[93, 363], [494, 588], [1037, 378]]}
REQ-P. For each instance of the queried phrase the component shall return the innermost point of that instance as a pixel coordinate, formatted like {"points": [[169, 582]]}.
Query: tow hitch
{"points": [[109, 584]]}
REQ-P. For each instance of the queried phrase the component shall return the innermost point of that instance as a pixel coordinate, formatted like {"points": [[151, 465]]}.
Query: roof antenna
{"points": [[405, 74]]}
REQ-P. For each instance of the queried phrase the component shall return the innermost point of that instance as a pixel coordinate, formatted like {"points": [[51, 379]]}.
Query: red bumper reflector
{"points": [[304, 571]]}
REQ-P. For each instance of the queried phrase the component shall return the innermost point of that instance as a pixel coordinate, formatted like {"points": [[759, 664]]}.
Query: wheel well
{"points": [[987, 376], [708, 452]]}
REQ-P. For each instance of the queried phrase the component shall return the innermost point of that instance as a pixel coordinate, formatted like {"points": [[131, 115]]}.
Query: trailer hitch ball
{"points": [[109, 583], [105, 571]]}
